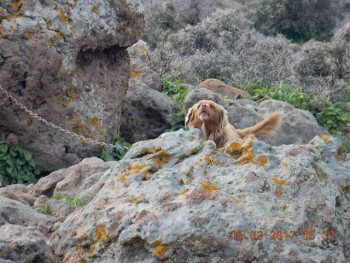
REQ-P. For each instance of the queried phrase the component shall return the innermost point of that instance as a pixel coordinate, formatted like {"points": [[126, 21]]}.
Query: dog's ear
{"points": [[223, 120], [189, 117]]}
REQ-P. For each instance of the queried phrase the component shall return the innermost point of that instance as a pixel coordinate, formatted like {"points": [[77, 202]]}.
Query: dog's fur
{"points": [[212, 119]]}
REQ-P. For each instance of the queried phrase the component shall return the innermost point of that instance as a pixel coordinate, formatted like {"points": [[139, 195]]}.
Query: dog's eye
{"points": [[211, 106]]}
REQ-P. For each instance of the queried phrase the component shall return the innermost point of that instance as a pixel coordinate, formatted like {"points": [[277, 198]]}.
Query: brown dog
{"points": [[212, 119]]}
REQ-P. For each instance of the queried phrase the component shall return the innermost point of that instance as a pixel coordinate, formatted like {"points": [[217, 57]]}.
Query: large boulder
{"points": [[66, 61], [147, 111], [298, 126], [178, 199]]}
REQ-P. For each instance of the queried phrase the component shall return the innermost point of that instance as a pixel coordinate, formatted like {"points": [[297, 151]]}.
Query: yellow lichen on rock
{"points": [[96, 9], [184, 191], [17, 6], [137, 199], [135, 73], [208, 188], [326, 138], [160, 248], [280, 182], [135, 169], [161, 157], [242, 150], [101, 234]]}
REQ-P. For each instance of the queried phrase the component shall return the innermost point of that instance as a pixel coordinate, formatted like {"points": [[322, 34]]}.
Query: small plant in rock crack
{"points": [[121, 148], [71, 200], [16, 165], [46, 209]]}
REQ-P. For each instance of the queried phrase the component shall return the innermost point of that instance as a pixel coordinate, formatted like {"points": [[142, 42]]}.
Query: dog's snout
{"points": [[204, 105]]}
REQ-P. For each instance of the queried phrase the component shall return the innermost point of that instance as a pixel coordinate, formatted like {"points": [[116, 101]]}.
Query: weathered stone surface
{"points": [[298, 126], [178, 199], [67, 61], [83, 177], [220, 87], [18, 192], [142, 72], [146, 114], [16, 213], [21, 245]]}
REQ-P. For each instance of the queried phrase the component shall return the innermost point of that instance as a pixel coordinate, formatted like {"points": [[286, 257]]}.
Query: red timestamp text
{"points": [[279, 235]]}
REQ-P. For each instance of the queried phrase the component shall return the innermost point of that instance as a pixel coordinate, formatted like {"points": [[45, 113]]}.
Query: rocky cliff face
{"points": [[179, 199], [66, 61]]}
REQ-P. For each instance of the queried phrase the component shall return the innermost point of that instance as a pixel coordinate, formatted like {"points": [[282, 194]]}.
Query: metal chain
{"points": [[54, 126]]}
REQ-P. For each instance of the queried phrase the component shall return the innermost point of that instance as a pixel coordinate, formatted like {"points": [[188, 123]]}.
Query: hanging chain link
{"points": [[54, 126]]}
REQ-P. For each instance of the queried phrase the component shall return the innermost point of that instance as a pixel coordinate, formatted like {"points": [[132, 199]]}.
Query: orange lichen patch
{"points": [[101, 234], [284, 208], [30, 34], [278, 192], [137, 199], [280, 182], [135, 73], [161, 157], [161, 249], [208, 187], [63, 15], [326, 138], [143, 49], [72, 31], [18, 6], [59, 36], [341, 153], [342, 187], [96, 9], [320, 174], [184, 191], [135, 169], [191, 151], [211, 160], [261, 160], [242, 149]]}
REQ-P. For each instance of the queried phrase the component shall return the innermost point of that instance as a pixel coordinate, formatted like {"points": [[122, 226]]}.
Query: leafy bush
{"points": [[16, 165], [121, 148], [332, 116], [175, 89], [178, 121]]}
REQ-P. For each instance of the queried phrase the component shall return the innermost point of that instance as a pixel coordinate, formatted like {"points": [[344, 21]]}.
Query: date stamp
{"points": [[279, 235]]}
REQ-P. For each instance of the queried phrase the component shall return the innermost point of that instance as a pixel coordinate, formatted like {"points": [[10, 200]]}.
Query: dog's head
{"points": [[208, 112]]}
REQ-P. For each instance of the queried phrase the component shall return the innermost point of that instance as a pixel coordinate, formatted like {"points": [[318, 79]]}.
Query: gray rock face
{"points": [[178, 199], [66, 61], [298, 126], [146, 113]]}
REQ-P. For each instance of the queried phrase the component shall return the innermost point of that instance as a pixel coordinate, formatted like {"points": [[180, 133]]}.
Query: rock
{"points": [[66, 61], [83, 177], [178, 199], [298, 126], [146, 114], [142, 72], [221, 88], [21, 244], [18, 192], [16, 213]]}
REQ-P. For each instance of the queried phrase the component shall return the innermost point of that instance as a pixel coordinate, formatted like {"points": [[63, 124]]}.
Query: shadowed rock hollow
{"points": [[66, 61]]}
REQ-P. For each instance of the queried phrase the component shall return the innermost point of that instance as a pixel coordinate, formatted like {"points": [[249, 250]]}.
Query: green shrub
{"points": [[16, 165], [332, 116], [121, 148], [175, 89], [178, 121], [46, 209]]}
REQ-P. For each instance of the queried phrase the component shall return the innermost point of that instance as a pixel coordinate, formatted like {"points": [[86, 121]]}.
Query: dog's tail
{"points": [[264, 128]]}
